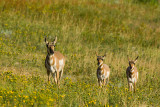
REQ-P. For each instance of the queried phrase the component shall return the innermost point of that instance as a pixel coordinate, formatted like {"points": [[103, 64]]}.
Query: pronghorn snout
{"points": [[99, 62], [51, 51]]}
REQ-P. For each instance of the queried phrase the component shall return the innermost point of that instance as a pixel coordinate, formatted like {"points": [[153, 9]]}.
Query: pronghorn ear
{"points": [[46, 40], [96, 54], [55, 40], [105, 55], [136, 59], [128, 58]]}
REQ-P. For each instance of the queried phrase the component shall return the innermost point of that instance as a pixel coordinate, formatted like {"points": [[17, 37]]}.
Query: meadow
{"points": [[83, 27]]}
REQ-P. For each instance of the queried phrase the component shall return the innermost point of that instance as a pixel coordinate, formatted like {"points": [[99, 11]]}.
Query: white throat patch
{"points": [[132, 70]]}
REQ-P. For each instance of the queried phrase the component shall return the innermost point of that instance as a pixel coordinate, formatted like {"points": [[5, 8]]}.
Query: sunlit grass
{"points": [[83, 27]]}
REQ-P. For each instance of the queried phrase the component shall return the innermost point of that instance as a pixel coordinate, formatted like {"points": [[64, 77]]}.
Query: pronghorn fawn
{"points": [[54, 62], [132, 74], [103, 71]]}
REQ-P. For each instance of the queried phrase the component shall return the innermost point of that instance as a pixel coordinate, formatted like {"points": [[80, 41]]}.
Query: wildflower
{"points": [[34, 97], [126, 89], [26, 97], [31, 103], [51, 100]]}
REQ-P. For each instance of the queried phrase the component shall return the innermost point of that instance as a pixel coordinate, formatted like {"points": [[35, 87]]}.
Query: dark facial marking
{"points": [[50, 47], [99, 59]]}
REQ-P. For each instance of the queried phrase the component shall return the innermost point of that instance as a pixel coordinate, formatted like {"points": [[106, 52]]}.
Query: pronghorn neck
{"points": [[101, 66], [131, 70], [101, 69], [50, 55]]}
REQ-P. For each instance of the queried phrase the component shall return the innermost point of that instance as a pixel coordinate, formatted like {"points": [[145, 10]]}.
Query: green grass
{"points": [[83, 28]]}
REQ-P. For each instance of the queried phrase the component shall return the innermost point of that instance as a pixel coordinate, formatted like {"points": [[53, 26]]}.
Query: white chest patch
{"points": [[53, 67], [51, 61], [132, 70], [102, 76], [132, 80]]}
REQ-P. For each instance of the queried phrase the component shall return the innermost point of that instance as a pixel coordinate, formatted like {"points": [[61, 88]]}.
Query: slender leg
{"points": [[108, 80], [61, 74], [54, 76], [57, 77], [104, 82], [99, 81], [130, 87], [48, 73], [134, 86]]}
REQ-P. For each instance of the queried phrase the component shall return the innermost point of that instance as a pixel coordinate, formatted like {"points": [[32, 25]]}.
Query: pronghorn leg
{"points": [[134, 86], [54, 76], [57, 74], [107, 80], [61, 74], [99, 82], [130, 86], [104, 82], [48, 73]]}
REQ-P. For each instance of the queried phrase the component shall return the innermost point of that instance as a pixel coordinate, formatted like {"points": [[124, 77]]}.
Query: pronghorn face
{"points": [[50, 46], [132, 64], [100, 60]]}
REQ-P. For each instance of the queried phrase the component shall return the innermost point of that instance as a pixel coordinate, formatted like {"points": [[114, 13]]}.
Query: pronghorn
{"points": [[132, 74], [54, 62], [103, 71]]}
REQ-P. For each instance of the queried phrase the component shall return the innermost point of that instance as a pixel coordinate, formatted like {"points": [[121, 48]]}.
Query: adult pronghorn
{"points": [[54, 62], [103, 71], [132, 74]]}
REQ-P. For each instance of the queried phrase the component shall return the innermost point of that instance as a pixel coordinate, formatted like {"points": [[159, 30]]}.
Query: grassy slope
{"points": [[83, 27]]}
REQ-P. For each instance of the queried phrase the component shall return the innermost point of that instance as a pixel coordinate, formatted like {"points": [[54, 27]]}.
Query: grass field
{"points": [[83, 27]]}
